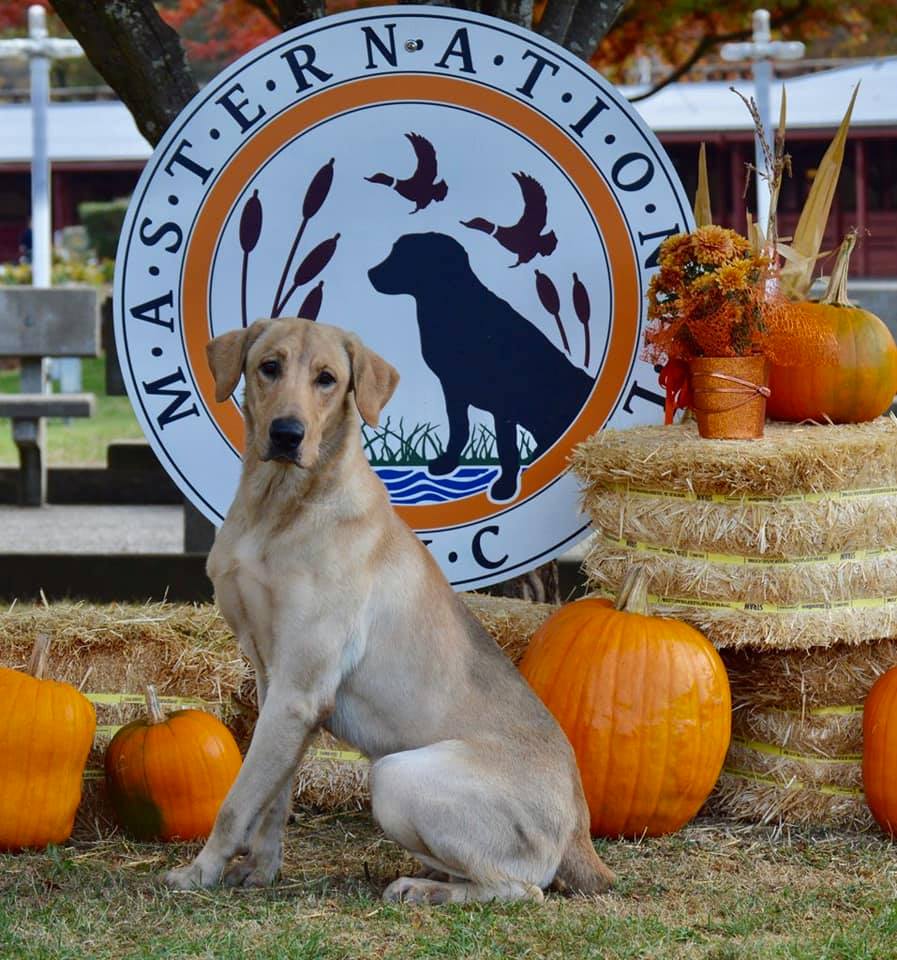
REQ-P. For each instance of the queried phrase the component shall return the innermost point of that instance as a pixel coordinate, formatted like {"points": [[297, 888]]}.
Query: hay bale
{"points": [[703, 576], [734, 625], [779, 529], [112, 651], [510, 622], [788, 459], [821, 731], [797, 492], [823, 679], [754, 798], [797, 734]]}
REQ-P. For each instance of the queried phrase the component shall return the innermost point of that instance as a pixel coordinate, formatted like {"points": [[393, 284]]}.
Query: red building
{"points": [[97, 154]]}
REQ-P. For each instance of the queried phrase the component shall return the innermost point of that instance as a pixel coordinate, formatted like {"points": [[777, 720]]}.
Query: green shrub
{"points": [[103, 222]]}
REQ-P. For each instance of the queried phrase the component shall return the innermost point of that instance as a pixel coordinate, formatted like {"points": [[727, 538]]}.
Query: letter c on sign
{"points": [[477, 549]]}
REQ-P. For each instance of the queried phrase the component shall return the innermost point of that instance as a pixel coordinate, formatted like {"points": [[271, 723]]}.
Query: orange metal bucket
{"points": [[729, 396]]}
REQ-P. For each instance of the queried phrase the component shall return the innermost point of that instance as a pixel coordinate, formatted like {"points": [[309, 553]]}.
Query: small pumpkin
{"points": [[861, 384], [880, 751], [46, 731], [167, 776], [645, 704]]}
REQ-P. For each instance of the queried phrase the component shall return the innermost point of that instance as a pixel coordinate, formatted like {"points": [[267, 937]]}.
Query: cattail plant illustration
{"points": [[311, 305], [583, 310], [250, 231], [548, 297], [317, 259]]}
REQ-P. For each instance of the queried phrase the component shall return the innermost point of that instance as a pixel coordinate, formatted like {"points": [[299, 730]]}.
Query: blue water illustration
{"points": [[410, 485]]}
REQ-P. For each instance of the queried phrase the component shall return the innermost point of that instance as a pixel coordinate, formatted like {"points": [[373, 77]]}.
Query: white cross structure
{"points": [[762, 51], [40, 50]]}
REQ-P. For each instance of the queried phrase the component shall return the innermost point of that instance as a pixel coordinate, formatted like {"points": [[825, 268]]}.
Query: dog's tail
{"points": [[478, 223], [582, 870]]}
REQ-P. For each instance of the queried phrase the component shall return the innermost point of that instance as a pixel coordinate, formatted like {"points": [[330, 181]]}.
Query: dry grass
{"points": [[711, 891]]}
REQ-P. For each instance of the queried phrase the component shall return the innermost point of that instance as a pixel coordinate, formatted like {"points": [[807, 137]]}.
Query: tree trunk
{"points": [[137, 54]]}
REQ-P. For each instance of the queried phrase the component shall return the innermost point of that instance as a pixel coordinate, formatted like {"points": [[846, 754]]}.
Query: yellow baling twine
{"points": [[746, 561], [751, 606], [733, 499], [792, 783]]}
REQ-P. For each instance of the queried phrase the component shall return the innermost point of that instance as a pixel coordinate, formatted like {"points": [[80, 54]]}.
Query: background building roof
{"points": [[815, 101], [104, 130]]}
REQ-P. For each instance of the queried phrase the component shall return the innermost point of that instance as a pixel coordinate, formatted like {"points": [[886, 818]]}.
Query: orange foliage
{"points": [[220, 32]]}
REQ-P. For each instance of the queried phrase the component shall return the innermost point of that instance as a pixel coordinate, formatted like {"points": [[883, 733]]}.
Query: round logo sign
{"points": [[478, 205]]}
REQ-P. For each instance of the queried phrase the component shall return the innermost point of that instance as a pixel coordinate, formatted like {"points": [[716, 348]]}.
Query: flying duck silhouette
{"points": [[526, 237], [420, 188]]}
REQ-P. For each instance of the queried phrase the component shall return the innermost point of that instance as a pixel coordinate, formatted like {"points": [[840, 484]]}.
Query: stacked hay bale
{"points": [[111, 652], [783, 552]]}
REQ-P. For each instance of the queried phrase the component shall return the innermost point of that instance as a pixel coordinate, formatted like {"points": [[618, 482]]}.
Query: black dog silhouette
{"points": [[485, 354]]}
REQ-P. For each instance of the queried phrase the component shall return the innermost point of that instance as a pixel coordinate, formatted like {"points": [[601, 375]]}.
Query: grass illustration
{"points": [[398, 445]]}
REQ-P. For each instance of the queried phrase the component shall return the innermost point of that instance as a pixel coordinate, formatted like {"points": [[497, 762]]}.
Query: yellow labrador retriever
{"points": [[351, 625]]}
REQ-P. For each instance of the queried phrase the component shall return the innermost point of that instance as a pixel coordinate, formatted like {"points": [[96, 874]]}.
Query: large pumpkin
{"points": [[645, 703], [880, 751], [861, 384], [166, 776], [46, 731]]}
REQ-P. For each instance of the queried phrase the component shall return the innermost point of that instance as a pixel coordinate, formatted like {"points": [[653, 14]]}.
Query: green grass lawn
{"points": [[710, 891], [82, 440]]}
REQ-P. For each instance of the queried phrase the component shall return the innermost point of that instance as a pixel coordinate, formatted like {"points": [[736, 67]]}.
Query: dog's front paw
{"points": [[191, 877], [441, 465], [252, 872]]}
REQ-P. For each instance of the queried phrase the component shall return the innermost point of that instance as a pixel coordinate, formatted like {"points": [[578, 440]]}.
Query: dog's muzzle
{"points": [[285, 437]]}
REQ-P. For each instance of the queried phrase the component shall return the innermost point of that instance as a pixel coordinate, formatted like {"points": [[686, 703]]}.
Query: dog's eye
{"points": [[270, 368], [325, 379]]}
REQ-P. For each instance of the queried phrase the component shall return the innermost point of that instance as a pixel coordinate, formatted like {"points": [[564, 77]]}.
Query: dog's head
{"points": [[301, 381], [415, 259]]}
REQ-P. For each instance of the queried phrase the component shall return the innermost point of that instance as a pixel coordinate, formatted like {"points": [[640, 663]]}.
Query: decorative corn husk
{"points": [[703, 213], [797, 274]]}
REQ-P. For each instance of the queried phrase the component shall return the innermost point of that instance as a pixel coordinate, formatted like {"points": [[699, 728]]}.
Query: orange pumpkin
{"points": [[861, 384], [880, 751], [645, 703], [167, 776], [46, 731]]}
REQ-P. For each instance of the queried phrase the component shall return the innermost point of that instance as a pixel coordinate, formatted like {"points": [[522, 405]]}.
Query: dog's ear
{"points": [[373, 380], [227, 355]]}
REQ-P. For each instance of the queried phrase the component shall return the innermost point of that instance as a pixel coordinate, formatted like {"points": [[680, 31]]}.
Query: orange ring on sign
{"points": [[369, 90]]}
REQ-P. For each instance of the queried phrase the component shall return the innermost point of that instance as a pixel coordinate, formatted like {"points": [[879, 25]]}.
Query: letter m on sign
{"points": [[165, 387]]}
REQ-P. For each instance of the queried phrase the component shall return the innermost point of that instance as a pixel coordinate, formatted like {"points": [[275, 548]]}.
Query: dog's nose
{"points": [[286, 433]]}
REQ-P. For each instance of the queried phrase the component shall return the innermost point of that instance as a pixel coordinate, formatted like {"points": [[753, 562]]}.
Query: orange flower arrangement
{"points": [[715, 295], [708, 298]]}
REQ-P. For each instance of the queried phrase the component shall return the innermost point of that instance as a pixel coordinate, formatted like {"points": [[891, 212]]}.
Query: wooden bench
{"points": [[36, 323]]}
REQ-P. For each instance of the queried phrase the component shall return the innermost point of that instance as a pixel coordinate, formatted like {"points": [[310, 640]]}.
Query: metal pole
{"points": [[761, 51], [762, 70], [40, 163]]}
